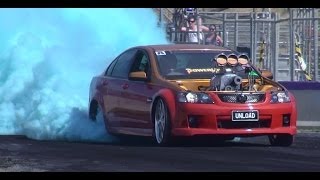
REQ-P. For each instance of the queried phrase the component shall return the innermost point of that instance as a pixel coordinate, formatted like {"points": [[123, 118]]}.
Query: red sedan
{"points": [[166, 91]]}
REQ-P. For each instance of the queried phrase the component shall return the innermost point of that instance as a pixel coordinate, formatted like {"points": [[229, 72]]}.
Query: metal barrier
{"points": [[306, 94], [304, 33], [271, 42]]}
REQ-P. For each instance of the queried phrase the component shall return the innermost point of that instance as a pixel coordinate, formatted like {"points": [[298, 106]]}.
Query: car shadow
{"points": [[188, 142], [137, 141]]}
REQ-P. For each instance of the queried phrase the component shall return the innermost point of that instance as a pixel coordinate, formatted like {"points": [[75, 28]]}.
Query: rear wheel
{"points": [[96, 115], [281, 140], [99, 116], [161, 118], [93, 110]]}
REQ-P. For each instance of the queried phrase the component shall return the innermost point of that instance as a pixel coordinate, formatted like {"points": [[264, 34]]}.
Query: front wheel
{"points": [[161, 118], [281, 140]]}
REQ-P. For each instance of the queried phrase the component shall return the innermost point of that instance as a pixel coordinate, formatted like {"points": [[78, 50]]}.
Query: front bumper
{"points": [[234, 132], [216, 119]]}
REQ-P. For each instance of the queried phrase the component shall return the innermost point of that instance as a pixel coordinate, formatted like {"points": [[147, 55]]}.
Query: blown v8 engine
{"points": [[226, 82]]}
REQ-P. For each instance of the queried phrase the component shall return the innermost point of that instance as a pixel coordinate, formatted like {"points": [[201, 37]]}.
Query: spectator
{"points": [[192, 31], [212, 37]]}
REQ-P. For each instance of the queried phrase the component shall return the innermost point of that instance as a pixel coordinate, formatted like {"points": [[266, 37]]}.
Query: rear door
{"points": [[114, 83]]}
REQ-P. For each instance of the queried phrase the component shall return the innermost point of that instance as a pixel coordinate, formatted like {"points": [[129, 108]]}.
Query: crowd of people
{"points": [[206, 35]]}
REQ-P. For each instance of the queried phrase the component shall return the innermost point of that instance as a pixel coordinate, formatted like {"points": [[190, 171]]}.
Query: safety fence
{"points": [[289, 47]]}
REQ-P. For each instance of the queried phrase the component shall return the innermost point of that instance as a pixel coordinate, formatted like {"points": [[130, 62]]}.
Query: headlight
{"points": [[280, 97], [194, 97]]}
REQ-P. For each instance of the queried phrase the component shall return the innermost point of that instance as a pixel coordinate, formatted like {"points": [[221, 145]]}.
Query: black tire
{"points": [[97, 116], [281, 140], [93, 110], [161, 125]]}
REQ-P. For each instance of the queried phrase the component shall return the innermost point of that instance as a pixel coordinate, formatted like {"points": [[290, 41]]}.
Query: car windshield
{"points": [[194, 65]]}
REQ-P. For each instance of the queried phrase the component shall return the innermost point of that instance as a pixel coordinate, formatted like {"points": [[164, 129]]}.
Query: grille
{"points": [[251, 97], [244, 124]]}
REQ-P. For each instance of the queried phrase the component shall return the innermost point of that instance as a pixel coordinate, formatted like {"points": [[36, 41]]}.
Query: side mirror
{"points": [[138, 76], [267, 74]]}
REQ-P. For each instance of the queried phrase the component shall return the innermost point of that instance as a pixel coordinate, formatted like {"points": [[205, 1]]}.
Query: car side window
{"points": [[141, 62], [123, 64], [110, 68]]}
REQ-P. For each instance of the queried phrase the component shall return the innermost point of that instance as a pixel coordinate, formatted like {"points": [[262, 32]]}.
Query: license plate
{"points": [[251, 115]]}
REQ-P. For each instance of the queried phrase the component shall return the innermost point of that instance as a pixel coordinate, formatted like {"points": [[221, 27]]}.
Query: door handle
{"points": [[104, 83], [125, 86]]}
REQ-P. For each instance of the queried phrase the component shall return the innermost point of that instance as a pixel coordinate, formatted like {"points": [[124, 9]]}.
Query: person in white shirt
{"points": [[192, 31]]}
